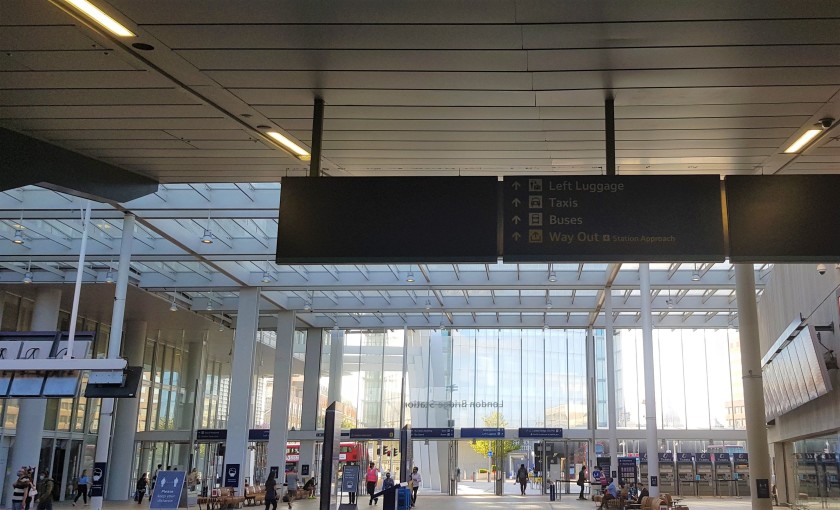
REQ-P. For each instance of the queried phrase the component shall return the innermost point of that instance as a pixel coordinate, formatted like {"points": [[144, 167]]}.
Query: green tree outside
{"points": [[482, 446]]}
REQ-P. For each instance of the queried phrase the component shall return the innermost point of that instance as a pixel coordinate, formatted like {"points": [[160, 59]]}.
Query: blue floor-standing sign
{"points": [[97, 484], [168, 490], [350, 479], [231, 475]]}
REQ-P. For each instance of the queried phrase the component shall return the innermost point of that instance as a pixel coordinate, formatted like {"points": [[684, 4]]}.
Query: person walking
{"points": [[522, 478], [22, 487], [154, 478], [371, 477], [291, 485], [582, 481], [45, 488], [140, 488], [82, 487], [388, 482], [271, 491], [415, 479]]}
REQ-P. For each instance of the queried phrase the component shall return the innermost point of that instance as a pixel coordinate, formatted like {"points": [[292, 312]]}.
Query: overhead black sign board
{"points": [[622, 218], [783, 218], [483, 433], [432, 433], [543, 433], [371, 433], [400, 219]]}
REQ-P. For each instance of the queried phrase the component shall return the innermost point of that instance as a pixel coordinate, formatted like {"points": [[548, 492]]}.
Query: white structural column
{"points": [[336, 365], [281, 392], [311, 395], [242, 377], [30, 424], [125, 423], [611, 397], [592, 408], [650, 381], [106, 409], [191, 408], [753, 387]]}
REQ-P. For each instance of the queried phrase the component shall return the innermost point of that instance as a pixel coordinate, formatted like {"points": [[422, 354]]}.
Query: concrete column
{"points": [[311, 393], [191, 377], [106, 409], [26, 450], [611, 393], [125, 424], [242, 369], [281, 391], [753, 386], [650, 383]]}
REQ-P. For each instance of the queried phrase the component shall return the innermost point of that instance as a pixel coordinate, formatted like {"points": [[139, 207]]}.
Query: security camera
{"points": [[826, 122], [821, 268]]}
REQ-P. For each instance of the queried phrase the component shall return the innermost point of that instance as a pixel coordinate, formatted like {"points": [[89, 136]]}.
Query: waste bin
{"points": [[403, 498], [552, 492]]}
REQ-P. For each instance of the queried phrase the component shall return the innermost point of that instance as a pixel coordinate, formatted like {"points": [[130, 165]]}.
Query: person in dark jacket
{"points": [[522, 478], [271, 491], [642, 494], [140, 491], [45, 487], [582, 481]]}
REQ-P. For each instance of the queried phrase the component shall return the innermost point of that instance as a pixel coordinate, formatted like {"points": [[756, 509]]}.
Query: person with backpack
{"points": [[45, 488], [522, 478]]}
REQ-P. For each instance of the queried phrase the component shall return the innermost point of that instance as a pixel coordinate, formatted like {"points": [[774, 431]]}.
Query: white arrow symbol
{"points": [[516, 219], [516, 236], [516, 185], [516, 202]]}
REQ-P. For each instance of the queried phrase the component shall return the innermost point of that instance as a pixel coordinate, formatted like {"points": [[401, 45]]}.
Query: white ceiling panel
{"points": [[428, 87], [345, 36]]}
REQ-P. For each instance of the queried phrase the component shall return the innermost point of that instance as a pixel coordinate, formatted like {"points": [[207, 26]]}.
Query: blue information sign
{"points": [[685, 457], [722, 457], [430, 433], [168, 488], [210, 434], [350, 479], [704, 457], [667, 457], [231, 475], [742, 458], [481, 433], [258, 434], [541, 433], [372, 434]]}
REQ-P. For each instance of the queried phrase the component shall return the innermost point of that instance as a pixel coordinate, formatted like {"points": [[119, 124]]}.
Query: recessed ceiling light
{"points": [[100, 17], [803, 140], [302, 154], [143, 46]]}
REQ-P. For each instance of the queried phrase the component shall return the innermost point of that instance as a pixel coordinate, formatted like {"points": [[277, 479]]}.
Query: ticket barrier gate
{"points": [[704, 475], [741, 462], [723, 475], [686, 475]]}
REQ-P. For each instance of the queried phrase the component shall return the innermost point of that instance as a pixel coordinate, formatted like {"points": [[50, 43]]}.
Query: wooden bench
{"points": [[254, 494]]}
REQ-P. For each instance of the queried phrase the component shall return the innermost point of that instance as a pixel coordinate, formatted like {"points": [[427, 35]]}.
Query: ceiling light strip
{"points": [[96, 14], [288, 144], [803, 140]]}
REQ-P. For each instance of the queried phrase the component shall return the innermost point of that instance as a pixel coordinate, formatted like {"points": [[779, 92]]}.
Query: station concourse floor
{"points": [[427, 501]]}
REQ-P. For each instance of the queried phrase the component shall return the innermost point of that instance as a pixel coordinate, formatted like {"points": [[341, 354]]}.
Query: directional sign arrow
{"points": [[516, 202], [516, 219], [516, 185], [516, 236]]}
